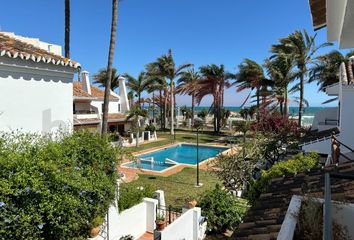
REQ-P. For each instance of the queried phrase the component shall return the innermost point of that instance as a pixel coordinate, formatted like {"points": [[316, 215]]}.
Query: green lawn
{"points": [[179, 187], [181, 136]]}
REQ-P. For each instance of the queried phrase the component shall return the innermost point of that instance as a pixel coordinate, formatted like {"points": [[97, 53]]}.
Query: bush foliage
{"points": [[300, 163], [54, 189], [130, 196], [223, 210]]}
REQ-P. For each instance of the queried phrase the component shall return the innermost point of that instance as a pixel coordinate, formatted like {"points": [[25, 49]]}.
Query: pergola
{"points": [[338, 17]]}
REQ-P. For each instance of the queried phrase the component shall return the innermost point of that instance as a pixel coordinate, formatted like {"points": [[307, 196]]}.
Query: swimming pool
{"points": [[179, 154]]}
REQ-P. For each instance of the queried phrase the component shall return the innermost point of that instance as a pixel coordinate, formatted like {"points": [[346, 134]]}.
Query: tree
{"points": [[301, 47], [110, 65], [165, 66], [326, 68], [55, 188], [101, 76], [213, 82], [138, 85], [188, 84], [67, 29], [280, 70], [136, 113], [155, 83], [251, 76]]}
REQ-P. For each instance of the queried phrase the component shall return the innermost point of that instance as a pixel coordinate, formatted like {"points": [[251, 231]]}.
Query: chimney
{"points": [[124, 102], [86, 81]]}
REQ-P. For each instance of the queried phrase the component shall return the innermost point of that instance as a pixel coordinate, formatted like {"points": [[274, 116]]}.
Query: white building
{"points": [[337, 16], [35, 85], [88, 106]]}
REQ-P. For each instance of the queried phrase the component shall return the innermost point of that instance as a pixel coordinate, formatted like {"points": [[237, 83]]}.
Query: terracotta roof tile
{"points": [[86, 121], [78, 91], [116, 116], [265, 217], [95, 92], [15, 48]]}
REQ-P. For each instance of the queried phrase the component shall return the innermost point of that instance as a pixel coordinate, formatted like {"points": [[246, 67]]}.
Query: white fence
{"points": [[134, 221], [187, 227]]}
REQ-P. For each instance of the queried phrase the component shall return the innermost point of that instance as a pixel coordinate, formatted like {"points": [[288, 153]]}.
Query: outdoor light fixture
{"points": [[198, 124]]}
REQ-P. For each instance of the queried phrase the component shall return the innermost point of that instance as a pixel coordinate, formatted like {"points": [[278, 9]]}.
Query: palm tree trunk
{"points": [[257, 95], [139, 99], [281, 107], [137, 136], [153, 107], [67, 29], [301, 99], [350, 72], [286, 101], [193, 103], [161, 109], [172, 130], [110, 64], [165, 108]]}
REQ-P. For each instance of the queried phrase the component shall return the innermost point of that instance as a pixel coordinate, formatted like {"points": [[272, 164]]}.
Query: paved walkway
{"points": [[147, 236]]}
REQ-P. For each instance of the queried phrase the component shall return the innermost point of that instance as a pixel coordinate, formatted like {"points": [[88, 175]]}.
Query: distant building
{"points": [[36, 84], [88, 106]]}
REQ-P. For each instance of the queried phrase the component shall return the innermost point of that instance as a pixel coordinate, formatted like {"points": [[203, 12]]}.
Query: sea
{"points": [[307, 118]]}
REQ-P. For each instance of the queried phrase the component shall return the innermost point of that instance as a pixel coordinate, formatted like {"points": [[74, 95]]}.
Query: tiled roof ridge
{"points": [[15, 48], [94, 91]]}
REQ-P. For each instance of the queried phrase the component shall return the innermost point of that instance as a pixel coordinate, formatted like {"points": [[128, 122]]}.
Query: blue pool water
{"points": [[183, 154]]}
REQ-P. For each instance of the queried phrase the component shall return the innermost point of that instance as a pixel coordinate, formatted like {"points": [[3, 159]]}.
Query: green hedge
{"points": [[54, 189], [300, 163], [223, 210], [130, 196]]}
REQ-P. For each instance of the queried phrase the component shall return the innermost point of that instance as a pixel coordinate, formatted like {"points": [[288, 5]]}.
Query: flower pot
{"points": [[192, 204], [95, 231], [160, 225]]}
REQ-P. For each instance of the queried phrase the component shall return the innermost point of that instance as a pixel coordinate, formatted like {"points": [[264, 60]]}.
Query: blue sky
{"points": [[198, 31]]}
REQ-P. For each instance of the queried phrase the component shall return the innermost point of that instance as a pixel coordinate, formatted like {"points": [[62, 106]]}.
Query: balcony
{"points": [[326, 119]]}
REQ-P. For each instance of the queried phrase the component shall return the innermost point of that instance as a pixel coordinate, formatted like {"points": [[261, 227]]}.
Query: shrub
{"points": [[300, 163], [130, 196], [223, 211], [54, 189], [150, 128]]}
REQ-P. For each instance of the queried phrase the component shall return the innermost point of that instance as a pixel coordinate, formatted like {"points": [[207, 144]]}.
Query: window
{"points": [[118, 107]]}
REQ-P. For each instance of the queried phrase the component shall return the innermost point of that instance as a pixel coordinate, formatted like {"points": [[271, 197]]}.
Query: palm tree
{"points": [[280, 70], [67, 29], [136, 113], [137, 85], [188, 84], [101, 76], [326, 68], [301, 47], [165, 66], [250, 76], [155, 83], [110, 65], [213, 82]]}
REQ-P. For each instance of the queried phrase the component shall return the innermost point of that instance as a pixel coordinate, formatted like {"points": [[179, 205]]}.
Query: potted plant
{"points": [[96, 226], [160, 222], [127, 237]]}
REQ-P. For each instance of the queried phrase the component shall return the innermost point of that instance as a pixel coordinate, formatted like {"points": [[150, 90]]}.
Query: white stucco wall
{"points": [[185, 227], [112, 107], [35, 97], [134, 221], [347, 116], [321, 116]]}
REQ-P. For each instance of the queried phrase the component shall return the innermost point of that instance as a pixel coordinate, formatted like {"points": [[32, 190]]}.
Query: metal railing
{"points": [[169, 214], [317, 140], [339, 143]]}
